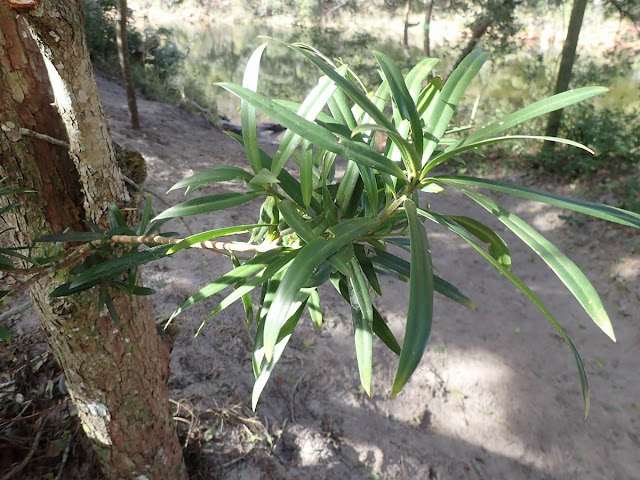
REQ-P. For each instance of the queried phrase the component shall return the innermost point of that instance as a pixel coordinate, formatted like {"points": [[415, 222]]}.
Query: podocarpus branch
{"points": [[206, 245]]}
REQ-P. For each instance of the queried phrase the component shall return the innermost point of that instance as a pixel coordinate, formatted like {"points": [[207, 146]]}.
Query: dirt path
{"points": [[497, 394]]}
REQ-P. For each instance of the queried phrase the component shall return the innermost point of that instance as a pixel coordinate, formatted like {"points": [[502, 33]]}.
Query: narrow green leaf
{"points": [[309, 110], [357, 95], [400, 269], [380, 327], [360, 289], [562, 266], [220, 173], [119, 265], [244, 287], [288, 183], [303, 230], [264, 177], [498, 248], [246, 298], [146, 215], [315, 308], [363, 338], [418, 74], [347, 186], [138, 290], [283, 339], [402, 99], [65, 289], [113, 312], [455, 228], [267, 294], [309, 257], [248, 112], [323, 138], [384, 333], [428, 98], [465, 146], [605, 212], [420, 312], [208, 203], [408, 152], [448, 99], [116, 218], [6, 208], [247, 269], [367, 268], [306, 172], [536, 109]]}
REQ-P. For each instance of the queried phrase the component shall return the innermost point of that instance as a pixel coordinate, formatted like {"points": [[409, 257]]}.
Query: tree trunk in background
{"points": [[125, 65], [564, 72], [115, 375], [428, 9], [405, 38], [479, 29]]}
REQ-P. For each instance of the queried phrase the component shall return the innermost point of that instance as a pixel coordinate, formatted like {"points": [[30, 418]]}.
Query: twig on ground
{"points": [[18, 468], [293, 392], [65, 457]]}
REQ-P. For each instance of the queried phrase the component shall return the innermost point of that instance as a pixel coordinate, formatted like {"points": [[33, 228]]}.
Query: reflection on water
{"points": [[219, 52]]}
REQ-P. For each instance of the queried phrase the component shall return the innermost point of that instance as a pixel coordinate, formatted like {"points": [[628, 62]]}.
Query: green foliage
{"points": [[612, 133], [152, 68], [333, 205], [110, 266]]}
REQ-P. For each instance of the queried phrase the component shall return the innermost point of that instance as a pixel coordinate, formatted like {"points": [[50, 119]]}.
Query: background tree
{"points": [[125, 64], [564, 72], [428, 11], [116, 375], [497, 20]]}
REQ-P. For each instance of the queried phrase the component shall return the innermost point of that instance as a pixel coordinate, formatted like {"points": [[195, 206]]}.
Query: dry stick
{"points": [[65, 457], [18, 468], [293, 392], [42, 136], [72, 260], [206, 245]]}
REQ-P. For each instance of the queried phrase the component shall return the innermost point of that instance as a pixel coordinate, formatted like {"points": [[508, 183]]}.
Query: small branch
{"points": [[206, 245], [65, 457], [73, 259], [42, 136], [18, 468]]}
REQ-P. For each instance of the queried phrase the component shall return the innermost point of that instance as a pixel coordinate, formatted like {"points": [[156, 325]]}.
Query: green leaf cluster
{"points": [[351, 178]]}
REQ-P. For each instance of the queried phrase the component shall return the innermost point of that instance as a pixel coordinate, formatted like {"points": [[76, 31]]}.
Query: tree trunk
{"points": [[564, 72], [125, 65], [428, 9], [405, 38], [479, 29], [115, 375]]}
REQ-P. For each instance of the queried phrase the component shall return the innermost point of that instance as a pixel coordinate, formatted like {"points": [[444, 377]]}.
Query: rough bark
{"points": [[566, 66], [125, 65], [115, 375], [57, 27]]}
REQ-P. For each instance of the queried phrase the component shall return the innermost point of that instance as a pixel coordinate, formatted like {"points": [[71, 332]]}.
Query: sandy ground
{"points": [[496, 396]]}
